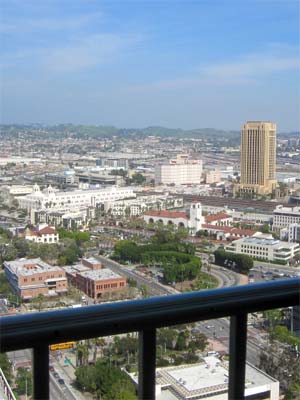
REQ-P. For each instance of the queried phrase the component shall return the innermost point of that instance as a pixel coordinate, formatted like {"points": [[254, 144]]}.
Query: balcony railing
{"points": [[39, 330]]}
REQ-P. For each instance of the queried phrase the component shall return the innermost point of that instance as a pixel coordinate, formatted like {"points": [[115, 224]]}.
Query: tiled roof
{"points": [[216, 217], [229, 229], [166, 214], [47, 231]]}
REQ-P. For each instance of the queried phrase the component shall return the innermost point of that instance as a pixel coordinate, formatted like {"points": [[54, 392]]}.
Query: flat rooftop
{"points": [[91, 260], [32, 266], [76, 268], [101, 274], [261, 241], [206, 379]]}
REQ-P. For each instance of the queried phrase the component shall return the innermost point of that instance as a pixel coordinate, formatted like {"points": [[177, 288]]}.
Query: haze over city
{"points": [[185, 64], [150, 200]]}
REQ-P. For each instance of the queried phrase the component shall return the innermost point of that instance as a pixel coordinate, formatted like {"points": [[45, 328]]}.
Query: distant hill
{"points": [[101, 131]]}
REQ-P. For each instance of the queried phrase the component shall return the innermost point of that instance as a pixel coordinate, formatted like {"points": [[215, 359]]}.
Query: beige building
{"points": [[264, 247], [179, 171], [213, 176], [258, 158]]}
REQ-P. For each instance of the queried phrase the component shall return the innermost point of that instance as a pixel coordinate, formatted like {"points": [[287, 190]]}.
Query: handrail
{"points": [[38, 330], [23, 331]]}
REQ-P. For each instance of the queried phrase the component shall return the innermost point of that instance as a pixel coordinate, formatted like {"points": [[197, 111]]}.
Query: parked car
{"points": [[61, 381]]}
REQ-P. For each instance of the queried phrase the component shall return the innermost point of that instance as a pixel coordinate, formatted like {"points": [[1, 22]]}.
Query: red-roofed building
{"points": [[43, 233], [227, 232], [193, 222], [219, 219]]}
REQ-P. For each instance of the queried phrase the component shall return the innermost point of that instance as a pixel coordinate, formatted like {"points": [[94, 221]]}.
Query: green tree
{"points": [[24, 382], [137, 179], [265, 228], [108, 382], [273, 317], [293, 392], [39, 299], [5, 365], [181, 341]]}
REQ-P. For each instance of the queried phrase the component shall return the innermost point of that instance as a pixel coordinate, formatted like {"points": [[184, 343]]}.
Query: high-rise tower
{"points": [[258, 158]]}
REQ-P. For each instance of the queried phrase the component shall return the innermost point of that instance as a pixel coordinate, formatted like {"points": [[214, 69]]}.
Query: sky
{"points": [[180, 64]]}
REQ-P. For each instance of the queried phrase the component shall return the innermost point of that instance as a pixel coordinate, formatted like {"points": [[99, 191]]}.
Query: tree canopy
{"points": [[109, 382], [240, 263]]}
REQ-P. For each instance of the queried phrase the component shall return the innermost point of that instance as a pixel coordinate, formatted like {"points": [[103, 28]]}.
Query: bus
{"points": [[62, 346]]}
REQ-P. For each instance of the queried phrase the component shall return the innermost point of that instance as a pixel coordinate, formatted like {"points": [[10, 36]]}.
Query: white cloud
{"points": [[249, 69], [89, 52], [42, 24]]}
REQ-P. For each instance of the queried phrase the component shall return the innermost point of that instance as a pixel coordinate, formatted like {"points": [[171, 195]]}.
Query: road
{"points": [[154, 288], [57, 392], [216, 329]]}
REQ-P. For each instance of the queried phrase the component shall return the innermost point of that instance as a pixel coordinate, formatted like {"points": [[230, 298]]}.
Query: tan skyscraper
{"points": [[258, 158]]}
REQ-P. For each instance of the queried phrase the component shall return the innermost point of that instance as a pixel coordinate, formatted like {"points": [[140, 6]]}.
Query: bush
{"points": [[243, 262]]}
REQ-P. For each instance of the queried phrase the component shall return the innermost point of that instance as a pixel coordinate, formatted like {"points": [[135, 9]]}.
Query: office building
{"points": [[258, 158], [264, 247], [285, 216], [31, 277], [294, 233], [179, 171], [209, 380]]}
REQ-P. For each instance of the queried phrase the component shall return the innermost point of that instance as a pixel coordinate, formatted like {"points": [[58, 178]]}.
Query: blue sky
{"points": [[187, 64]]}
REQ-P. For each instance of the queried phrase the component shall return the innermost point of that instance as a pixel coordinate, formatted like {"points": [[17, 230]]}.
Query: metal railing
{"points": [[39, 330]]}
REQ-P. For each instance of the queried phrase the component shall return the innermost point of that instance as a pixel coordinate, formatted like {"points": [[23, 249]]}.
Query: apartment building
{"points": [[31, 277], [264, 247], [136, 207], [65, 219]]}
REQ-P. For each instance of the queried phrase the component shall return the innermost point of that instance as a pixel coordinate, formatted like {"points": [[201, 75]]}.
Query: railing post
{"points": [[237, 356], [41, 372], [147, 360]]}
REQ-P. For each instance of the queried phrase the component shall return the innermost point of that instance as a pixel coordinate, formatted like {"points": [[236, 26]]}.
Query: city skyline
{"points": [[129, 64]]}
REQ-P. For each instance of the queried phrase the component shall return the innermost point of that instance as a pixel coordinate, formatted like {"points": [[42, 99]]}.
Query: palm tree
{"points": [[82, 354]]}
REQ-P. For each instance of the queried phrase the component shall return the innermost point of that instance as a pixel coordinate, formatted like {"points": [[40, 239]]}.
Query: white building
{"points": [[17, 190], [284, 216], [209, 380], [219, 219], [68, 220], [193, 222], [136, 207], [180, 171], [71, 200], [264, 247], [43, 233], [294, 233]]}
